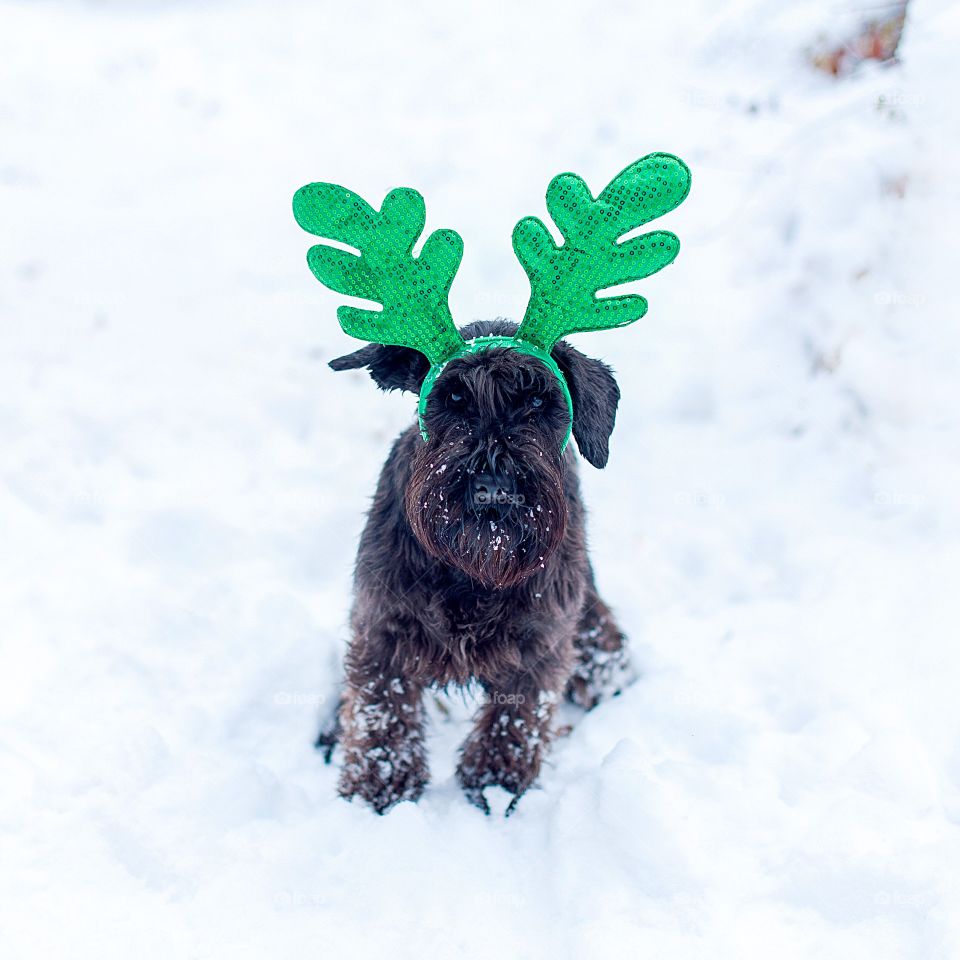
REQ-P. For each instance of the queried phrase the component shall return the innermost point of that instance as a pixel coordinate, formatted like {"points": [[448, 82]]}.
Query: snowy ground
{"points": [[182, 483]]}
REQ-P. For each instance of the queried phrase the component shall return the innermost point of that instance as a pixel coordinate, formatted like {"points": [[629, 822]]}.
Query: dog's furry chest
{"points": [[465, 634]]}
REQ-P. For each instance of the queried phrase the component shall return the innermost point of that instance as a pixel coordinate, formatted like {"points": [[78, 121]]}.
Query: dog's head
{"points": [[486, 491]]}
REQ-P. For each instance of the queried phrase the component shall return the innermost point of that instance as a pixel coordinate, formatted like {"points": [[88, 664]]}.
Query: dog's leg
{"points": [[603, 665], [509, 739], [329, 735], [381, 720]]}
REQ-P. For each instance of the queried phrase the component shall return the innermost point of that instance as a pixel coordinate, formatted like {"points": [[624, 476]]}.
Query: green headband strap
{"points": [[564, 279], [478, 345]]}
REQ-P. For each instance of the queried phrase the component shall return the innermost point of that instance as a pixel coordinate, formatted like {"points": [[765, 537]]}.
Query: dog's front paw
{"points": [[384, 775], [600, 675], [499, 761]]}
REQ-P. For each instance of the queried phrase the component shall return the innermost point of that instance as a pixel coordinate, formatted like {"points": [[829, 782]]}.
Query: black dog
{"points": [[473, 567]]}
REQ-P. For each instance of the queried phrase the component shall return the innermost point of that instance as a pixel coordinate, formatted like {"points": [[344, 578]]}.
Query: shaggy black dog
{"points": [[473, 567]]}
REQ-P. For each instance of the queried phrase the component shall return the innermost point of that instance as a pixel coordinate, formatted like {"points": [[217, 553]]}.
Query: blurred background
{"points": [[183, 480]]}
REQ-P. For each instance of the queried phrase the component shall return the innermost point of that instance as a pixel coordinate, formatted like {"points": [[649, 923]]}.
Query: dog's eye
{"points": [[457, 401], [536, 402]]}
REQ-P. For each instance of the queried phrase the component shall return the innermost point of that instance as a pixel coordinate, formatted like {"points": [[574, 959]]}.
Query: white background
{"points": [[182, 483]]}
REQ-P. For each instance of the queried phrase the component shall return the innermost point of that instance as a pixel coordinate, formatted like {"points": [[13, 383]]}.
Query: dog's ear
{"points": [[392, 368], [595, 396]]}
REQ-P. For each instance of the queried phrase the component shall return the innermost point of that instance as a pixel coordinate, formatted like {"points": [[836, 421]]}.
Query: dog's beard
{"points": [[503, 545]]}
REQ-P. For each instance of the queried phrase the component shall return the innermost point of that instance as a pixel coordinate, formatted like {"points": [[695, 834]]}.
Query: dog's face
{"points": [[486, 490], [485, 493]]}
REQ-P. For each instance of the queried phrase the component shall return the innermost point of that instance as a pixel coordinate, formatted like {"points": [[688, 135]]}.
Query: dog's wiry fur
{"points": [[449, 592]]}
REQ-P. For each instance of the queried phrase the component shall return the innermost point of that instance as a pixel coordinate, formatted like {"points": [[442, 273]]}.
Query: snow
{"points": [[182, 484]]}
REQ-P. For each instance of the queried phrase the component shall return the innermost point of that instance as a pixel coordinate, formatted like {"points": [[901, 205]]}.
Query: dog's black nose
{"points": [[490, 491]]}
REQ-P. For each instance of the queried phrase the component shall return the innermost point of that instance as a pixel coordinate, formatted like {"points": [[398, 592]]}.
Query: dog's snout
{"points": [[488, 484], [489, 490]]}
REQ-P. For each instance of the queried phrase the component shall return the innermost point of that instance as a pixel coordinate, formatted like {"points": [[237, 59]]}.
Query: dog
{"points": [[473, 568]]}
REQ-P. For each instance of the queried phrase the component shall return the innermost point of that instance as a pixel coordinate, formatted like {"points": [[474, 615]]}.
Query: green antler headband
{"points": [[564, 280]]}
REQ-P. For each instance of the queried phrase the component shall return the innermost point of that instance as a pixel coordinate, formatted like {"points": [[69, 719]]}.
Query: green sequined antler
{"points": [[412, 290], [564, 280]]}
